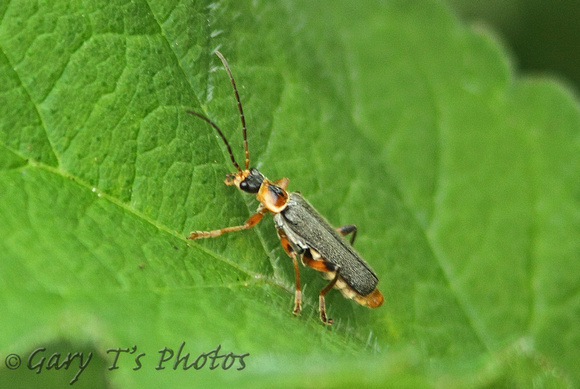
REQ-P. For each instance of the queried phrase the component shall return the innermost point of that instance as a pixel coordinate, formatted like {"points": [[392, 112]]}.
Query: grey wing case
{"points": [[306, 228]]}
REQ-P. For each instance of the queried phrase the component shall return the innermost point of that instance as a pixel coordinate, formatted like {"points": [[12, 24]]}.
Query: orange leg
{"points": [[317, 264], [298, 291], [321, 304], [282, 183], [251, 222], [290, 251], [325, 267]]}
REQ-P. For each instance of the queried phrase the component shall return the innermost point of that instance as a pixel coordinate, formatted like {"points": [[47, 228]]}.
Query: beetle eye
{"points": [[250, 185], [252, 182]]}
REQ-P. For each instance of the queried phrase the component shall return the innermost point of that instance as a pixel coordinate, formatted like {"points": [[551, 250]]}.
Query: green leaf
{"points": [[460, 175]]}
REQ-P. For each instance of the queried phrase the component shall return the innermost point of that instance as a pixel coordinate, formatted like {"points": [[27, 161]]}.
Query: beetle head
{"points": [[248, 180]]}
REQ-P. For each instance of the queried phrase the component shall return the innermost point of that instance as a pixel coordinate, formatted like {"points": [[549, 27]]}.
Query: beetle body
{"points": [[303, 232]]}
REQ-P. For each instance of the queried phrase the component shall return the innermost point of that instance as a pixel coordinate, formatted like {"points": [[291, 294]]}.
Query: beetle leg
{"points": [[282, 182], [290, 251], [321, 304], [308, 259], [313, 260], [251, 222], [348, 229], [298, 291]]}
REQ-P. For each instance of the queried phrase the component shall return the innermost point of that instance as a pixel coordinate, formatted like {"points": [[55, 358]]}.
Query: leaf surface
{"points": [[460, 175]]}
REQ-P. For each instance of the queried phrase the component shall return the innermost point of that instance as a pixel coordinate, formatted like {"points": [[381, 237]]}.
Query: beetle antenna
{"points": [[239, 107], [199, 115]]}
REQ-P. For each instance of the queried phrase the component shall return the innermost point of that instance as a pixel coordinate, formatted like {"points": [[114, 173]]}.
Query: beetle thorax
{"points": [[273, 197]]}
